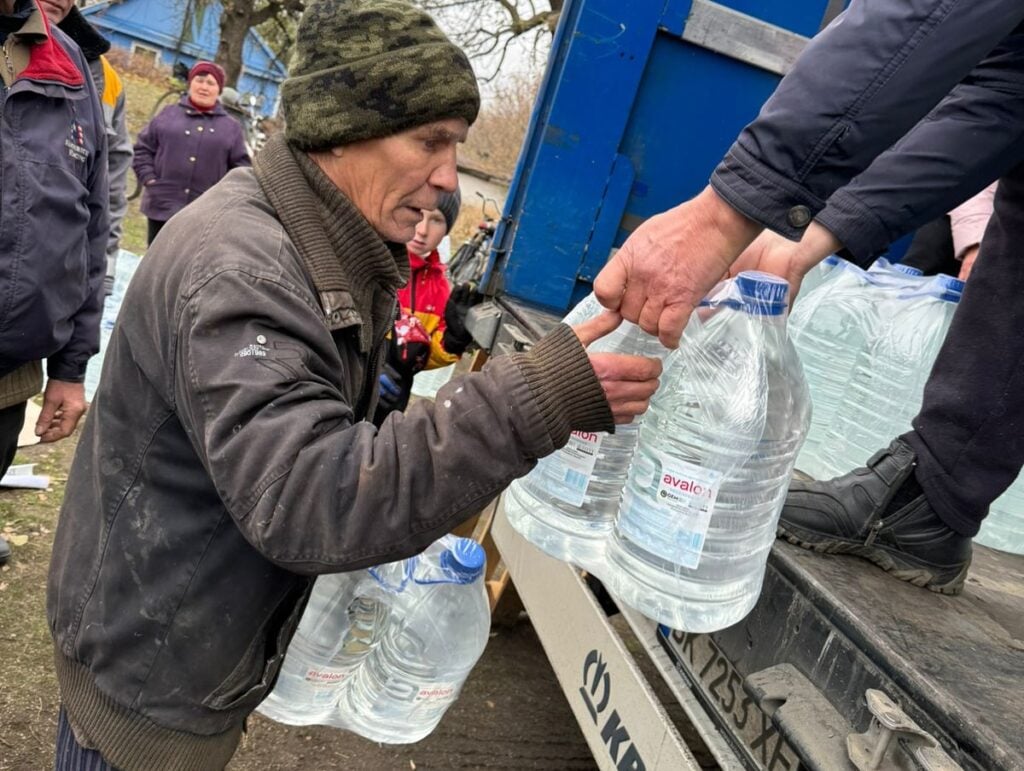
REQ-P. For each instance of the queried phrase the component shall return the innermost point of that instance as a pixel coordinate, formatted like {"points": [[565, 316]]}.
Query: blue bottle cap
{"points": [[907, 270], [948, 288], [764, 294], [466, 559]]}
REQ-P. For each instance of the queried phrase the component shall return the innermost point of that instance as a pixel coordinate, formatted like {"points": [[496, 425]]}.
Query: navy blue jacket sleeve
{"points": [[973, 137], [70, 362], [858, 87]]}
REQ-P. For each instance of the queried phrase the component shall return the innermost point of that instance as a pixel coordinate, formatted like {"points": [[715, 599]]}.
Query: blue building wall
{"points": [[158, 25]]}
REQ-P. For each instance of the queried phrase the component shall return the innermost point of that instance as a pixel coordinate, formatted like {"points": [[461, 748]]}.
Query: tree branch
{"points": [[274, 9]]}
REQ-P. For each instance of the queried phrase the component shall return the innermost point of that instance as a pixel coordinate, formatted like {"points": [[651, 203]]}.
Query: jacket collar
{"points": [[48, 61], [432, 261], [86, 36], [355, 272]]}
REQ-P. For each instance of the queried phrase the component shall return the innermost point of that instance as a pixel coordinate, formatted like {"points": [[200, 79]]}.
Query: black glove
{"points": [[394, 390], [456, 337], [391, 388]]}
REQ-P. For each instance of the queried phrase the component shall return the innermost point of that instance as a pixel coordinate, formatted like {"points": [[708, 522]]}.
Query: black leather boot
{"points": [[5, 550], [879, 513]]}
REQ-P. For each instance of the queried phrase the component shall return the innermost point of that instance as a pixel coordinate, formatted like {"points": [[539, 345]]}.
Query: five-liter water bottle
{"points": [[713, 462], [906, 274], [1003, 528], [438, 627], [341, 624], [567, 504], [830, 327], [887, 385]]}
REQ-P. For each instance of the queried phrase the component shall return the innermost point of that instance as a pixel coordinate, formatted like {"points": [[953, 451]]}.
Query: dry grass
{"points": [[28, 696]]}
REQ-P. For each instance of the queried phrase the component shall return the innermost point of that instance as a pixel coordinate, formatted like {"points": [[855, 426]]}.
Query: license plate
{"points": [[720, 687]]}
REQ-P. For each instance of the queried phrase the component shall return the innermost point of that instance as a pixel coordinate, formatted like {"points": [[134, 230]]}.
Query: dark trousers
{"points": [[11, 420], [969, 435], [71, 756], [152, 228]]}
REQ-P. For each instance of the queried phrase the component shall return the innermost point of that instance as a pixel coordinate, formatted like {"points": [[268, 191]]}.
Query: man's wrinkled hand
{"points": [[63, 406], [772, 253], [671, 261], [628, 381]]}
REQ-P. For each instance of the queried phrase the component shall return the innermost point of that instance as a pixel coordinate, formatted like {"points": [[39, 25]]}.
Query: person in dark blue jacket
{"points": [[894, 114], [53, 225]]}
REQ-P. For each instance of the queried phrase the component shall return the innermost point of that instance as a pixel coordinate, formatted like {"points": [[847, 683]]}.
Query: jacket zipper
{"points": [[370, 386]]}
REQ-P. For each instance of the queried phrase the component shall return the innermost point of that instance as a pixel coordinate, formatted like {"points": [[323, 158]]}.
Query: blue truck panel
{"points": [[630, 120]]}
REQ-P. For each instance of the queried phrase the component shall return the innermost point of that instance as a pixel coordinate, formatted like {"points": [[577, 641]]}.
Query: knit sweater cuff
{"points": [[568, 394], [129, 740]]}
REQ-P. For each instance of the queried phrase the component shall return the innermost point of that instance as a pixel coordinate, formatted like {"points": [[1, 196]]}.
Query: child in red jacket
{"points": [[430, 330]]}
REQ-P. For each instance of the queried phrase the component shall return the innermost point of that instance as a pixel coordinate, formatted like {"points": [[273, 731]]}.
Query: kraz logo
{"points": [[597, 693]]}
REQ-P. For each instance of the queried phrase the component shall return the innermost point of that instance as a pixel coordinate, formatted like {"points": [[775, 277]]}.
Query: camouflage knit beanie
{"points": [[371, 68]]}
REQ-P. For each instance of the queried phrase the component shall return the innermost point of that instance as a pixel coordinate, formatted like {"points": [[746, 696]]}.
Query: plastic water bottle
{"points": [[887, 386], [341, 624], [904, 272], [829, 328], [438, 628], [713, 463], [567, 504], [1003, 528]]}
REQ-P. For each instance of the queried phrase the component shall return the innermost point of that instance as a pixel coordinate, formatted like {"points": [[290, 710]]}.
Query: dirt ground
{"points": [[511, 715]]}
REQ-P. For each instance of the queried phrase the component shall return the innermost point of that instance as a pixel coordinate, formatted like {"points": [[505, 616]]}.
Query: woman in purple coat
{"points": [[187, 148]]}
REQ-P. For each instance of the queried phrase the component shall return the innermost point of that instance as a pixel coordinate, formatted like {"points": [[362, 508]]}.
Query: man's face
{"points": [[429, 232], [203, 90], [395, 179], [56, 10]]}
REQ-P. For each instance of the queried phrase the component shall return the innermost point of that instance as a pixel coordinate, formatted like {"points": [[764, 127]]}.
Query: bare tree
{"points": [[237, 18], [496, 138], [486, 28], [483, 28]]}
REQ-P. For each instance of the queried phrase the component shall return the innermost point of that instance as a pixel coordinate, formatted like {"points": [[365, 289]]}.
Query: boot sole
{"points": [[878, 555]]}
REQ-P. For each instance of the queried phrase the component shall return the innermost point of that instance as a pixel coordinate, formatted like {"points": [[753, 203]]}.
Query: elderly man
{"points": [[53, 232], [861, 85], [228, 459]]}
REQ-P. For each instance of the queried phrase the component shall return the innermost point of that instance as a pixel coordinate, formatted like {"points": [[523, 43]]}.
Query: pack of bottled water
{"points": [[384, 652], [830, 326], [1003, 528], [886, 387], [567, 504], [712, 465]]}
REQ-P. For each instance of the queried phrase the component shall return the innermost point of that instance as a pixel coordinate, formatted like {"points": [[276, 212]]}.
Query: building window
{"points": [[145, 56]]}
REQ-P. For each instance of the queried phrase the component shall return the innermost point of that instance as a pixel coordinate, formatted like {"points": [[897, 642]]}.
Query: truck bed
{"points": [[954, 664]]}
